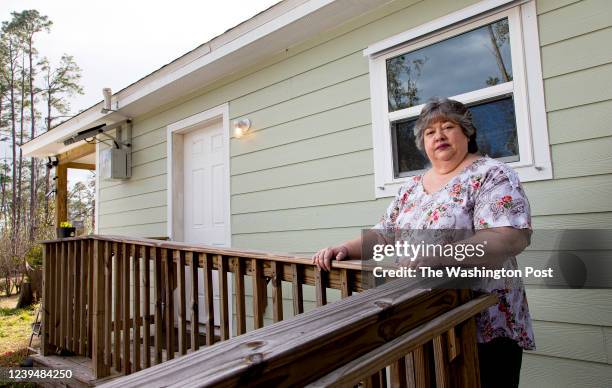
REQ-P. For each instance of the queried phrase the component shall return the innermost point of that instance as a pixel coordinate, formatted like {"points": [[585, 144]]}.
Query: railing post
{"points": [[100, 367], [469, 370], [45, 303]]}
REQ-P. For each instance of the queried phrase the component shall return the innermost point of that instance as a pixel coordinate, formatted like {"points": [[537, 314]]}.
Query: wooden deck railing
{"points": [[111, 298], [426, 336]]}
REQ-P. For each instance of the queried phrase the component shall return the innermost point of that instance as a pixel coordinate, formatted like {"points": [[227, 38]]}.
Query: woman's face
{"points": [[444, 141]]}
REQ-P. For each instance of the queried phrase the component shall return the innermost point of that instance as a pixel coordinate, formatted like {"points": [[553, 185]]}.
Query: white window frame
{"points": [[526, 86]]}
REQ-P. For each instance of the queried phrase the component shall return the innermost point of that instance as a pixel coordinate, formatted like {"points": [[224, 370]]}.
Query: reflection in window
{"points": [[496, 136], [473, 60]]}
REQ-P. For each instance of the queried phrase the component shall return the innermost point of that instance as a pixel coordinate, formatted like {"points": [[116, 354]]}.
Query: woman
{"points": [[463, 190]]}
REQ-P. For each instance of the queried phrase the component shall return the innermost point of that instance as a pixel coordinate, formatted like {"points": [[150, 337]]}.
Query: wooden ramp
{"points": [[81, 367]]}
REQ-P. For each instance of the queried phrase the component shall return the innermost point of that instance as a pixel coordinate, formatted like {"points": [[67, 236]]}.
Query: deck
{"points": [[108, 299]]}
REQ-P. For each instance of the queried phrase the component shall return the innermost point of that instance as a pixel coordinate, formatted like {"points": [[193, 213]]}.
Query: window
{"points": [[484, 61]]}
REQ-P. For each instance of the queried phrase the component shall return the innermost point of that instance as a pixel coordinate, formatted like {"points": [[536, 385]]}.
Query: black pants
{"points": [[500, 363]]}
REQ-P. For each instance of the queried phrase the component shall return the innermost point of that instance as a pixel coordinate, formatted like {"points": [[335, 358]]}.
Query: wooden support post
{"points": [[52, 288], [410, 372], [422, 376], [298, 294], [146, 257], [158, 305], [117, 303], [468, 368], [377, 380], [49, 297], [453, 345], [192, 259], [277, 291], [70, 303], [345, 286], [169, 286], [83, 264], [134, 252], [441, 363], [76, 323], [61, 195], [240, 297], [44, 345], [258, 312], [108, 300], [208, 295], [125, 304], [57, 311], [179, 257], [398, 373], [223, 297], [320, 291], [100, 368], [90, 292], [64, 297]]}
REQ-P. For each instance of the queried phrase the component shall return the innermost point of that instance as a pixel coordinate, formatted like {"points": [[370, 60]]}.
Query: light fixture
{"points": [[52, 162], [241, 127]]}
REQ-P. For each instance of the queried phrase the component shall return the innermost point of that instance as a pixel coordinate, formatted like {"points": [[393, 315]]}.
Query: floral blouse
{"points": [[486, 194]]}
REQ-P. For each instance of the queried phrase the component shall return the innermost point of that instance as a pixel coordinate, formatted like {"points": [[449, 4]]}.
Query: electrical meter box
{"points": [[115, 164]]}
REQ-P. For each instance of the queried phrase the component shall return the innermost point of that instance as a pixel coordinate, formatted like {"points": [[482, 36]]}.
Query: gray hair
{"points": [[445, 109]]}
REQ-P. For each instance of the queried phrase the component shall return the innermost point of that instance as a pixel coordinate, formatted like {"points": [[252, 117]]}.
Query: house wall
{"points": [[303, 178]]}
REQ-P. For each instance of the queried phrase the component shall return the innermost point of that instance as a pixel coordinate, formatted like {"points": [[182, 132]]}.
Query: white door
{"points": [[205, 178]]}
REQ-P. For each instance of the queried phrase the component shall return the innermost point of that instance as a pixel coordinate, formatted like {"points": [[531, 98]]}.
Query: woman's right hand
{"points": [[324, 256]]}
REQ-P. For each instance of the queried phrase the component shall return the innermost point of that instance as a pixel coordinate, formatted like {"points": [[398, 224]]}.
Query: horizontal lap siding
{"points": [[572, 326], [137, 207], [303, 177], [545, 371]]}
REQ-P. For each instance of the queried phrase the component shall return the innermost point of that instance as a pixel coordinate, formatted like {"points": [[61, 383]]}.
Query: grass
{"points": [[15, 330]]}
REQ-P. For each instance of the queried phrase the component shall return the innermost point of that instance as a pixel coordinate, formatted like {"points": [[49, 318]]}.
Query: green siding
{"points": [[574, 221], [554, 372], [325, 123], [321, 147], [323, 169], [586, 52], [303, 178], [353, 214], [579, 88], [587, 157], [583, 122], [566, 340], [571, 326], [573, 20]]}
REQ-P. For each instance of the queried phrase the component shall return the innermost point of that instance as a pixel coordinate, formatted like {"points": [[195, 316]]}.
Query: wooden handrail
{"points": [[351, 373], [313, 347], [213, 250]]}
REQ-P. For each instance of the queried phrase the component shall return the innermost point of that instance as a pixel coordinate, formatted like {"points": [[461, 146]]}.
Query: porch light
{"points": [[241, 127]]}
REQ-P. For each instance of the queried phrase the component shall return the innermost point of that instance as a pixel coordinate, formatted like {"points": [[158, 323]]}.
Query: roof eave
{"points": [[192, 72]]}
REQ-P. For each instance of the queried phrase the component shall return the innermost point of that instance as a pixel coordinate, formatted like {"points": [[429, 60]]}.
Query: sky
{"points": [[117, 42]]}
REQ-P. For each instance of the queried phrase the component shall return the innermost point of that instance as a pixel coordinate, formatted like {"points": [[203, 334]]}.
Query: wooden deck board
{"points": [[82, 367]]}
